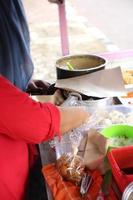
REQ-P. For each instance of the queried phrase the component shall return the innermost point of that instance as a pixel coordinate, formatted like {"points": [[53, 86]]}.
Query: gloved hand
{"points": [[38, 87], [56, 1]]}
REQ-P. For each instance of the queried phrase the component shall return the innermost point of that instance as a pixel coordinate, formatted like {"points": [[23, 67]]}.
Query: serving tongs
{"points": [[85, 184]]}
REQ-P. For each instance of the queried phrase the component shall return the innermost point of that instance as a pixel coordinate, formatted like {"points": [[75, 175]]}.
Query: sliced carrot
{"points": [[129, 95]]}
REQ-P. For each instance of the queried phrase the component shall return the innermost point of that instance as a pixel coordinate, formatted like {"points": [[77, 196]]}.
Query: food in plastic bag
{"points": [[71, 167]]}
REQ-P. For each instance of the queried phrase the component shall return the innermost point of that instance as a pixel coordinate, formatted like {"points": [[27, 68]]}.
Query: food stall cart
{"points": [[123, 59]]}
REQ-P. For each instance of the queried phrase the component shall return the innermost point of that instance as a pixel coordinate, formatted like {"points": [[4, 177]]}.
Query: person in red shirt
{"points": [[24, 121]]}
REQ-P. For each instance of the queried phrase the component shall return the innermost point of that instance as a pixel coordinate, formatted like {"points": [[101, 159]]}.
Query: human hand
{"points": [[72, 117], [56, 1], [38, 87]]}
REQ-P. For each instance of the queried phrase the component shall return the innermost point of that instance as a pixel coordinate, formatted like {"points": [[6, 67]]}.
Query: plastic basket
{"points": [[119, 159]]}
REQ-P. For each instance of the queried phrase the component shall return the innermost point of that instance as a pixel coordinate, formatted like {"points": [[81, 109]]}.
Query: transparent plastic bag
{"points": [[74, 99], [110, 115], [70, 141], [71, 167]]}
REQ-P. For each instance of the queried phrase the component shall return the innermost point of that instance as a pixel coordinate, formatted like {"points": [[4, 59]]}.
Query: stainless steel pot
{"points": [[81, 64]]}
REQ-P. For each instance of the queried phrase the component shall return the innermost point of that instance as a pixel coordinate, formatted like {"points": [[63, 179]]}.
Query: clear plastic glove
{"points": [[55, 98]]}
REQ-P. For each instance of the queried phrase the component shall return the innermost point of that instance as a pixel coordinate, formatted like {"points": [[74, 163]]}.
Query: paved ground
{"points": [[114, 18], [45, 38]]}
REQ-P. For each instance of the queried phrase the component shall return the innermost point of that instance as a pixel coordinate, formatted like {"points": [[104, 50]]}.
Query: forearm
{"points": [[72, 117], [25, 119]]}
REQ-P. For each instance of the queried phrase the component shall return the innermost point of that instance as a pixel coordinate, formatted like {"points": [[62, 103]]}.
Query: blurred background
{"points": [[93, 27]]}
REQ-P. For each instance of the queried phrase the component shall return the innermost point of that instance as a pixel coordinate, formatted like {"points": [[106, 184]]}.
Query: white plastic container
{"points": [[103, 116]]}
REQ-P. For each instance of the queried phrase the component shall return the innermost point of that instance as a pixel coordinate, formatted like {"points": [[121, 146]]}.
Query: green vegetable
{"points": [[69, 66], [107, 182], [120, 141]]}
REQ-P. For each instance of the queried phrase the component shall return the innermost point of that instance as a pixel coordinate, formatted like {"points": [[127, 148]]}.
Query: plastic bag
{"points": [[108, 115], [71, 167], [74, 99]]}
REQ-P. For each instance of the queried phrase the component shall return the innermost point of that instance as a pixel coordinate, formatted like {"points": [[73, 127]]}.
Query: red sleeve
{"points": [[25, 119]]}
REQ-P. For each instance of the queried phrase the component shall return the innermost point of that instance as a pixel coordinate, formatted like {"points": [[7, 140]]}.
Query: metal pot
{"points": [[128, 192], [81, 64]]}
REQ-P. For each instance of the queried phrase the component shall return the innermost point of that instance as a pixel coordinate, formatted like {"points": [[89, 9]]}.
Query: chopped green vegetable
{"points": [[107, 182], [120, 141], [69, 66]]}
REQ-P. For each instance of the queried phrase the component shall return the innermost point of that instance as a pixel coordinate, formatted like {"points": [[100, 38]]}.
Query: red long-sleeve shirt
{"points": [[22, 121]]}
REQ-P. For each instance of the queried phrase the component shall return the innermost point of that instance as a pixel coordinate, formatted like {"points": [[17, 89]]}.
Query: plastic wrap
{"points": [[105, 116], [71, 167], [101, 118], [71, 140]]}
